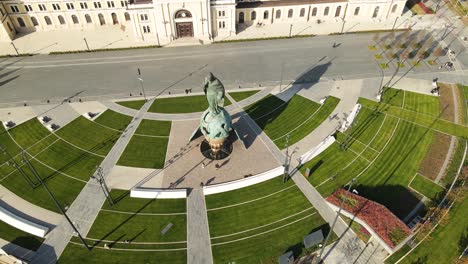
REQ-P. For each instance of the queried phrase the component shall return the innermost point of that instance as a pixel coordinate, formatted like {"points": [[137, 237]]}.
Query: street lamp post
{"points": [[86, 42], [102, 182], [286, 160], [25, 160], [141, 82], [16, 50], [394, 23], [334, 221]]}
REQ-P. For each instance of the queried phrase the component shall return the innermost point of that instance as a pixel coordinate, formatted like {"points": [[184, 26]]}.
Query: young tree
{"points": [[437, 52]]}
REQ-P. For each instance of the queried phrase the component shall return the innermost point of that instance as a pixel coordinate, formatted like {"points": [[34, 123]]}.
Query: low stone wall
{"points": [[22, 224], [150, 193], [309, 155], [241, 183]]}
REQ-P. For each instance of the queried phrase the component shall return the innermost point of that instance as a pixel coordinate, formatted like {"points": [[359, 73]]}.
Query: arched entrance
{"points": [[184, 24]]}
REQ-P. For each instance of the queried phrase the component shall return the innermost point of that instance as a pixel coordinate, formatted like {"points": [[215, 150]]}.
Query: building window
{"points": [[127, 16], [9, 26], [115, 20], [146, 29], [253, 15], [265, 15], [47, 20], [70, 6], [42, 7], [75, 19], [241, 17], [338, 11], [34, 21], [21, 22], [326, 11], [97, 4], [290, 13], [394, 8], [356, 11], [222, 24], [376, 12], [123, 3], [143, 17], [302, 13], [314, 11], [221, 13], [88, 19], [84, 5], [14, 9], [28, 8], [278, 14], [61, 20], [102, 21], [110, 4], [56, 6]]}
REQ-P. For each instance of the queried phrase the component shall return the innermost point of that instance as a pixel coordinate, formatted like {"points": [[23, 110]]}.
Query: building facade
{"points": [[162, 21]]}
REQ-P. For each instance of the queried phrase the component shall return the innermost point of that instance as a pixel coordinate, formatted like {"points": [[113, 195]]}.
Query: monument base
{"points": [[223, 152]]}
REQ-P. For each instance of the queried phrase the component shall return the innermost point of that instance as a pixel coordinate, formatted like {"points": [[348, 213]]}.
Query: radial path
{"points": [[87, 205]]}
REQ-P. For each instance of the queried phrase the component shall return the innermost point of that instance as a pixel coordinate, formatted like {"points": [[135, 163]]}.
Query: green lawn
{"points": [[184, 104], [134, 104], [141, 220], [19, 237], [421, 103], [154, 128], [78, 254], [57, 162], [144, 152], [383, 152], [239, 96], [299, 117], [259, 231], [426, 187], [420, 119], [464, 102], [90, 136], [114, 120], [448, 241]]}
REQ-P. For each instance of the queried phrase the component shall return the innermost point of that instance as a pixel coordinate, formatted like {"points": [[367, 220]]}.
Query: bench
{"points": [[22, 224]]}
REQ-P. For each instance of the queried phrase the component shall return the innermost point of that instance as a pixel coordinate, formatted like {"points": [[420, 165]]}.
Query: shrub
{"points": [[397, 235]]}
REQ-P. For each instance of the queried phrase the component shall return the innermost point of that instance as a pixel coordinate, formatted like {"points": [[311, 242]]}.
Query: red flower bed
{"points": [[424, 7], [384, 223]]}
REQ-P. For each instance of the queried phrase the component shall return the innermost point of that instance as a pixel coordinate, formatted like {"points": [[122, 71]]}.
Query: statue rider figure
{"points": [[214, 91]]}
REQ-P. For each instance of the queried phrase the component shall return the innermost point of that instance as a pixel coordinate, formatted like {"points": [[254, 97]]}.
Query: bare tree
{"points": [[437, 52], [376, 37]]}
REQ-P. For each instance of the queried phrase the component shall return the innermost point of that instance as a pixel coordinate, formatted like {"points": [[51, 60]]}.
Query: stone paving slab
{"points": [[16, 251], [86, 107], [61, 114], [184, 161], [125, 178], [17, 114]]}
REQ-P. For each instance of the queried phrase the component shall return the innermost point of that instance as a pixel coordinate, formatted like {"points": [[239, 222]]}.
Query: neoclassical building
{"points": [[162, 21]]}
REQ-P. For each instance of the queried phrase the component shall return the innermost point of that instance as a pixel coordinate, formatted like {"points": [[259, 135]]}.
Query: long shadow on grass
{"points": [[299, 248], [123, 223], [265, 111]]}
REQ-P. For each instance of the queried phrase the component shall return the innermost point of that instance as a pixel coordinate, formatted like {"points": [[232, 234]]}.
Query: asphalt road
{"points": [[248, 64]]}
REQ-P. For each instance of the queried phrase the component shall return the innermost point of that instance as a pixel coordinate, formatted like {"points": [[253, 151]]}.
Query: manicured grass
{"points": [[257, 224], [79, 254], [420, 103], [393, 96], [421, 119], [385, 176], [154, 128], [90, 136], [397, 255], [7, 143], [454, 164], [134, 104], [426, 187], [448, 241], [145, 152], [141, 220], [28, 133], [464, 102], [114, 120], [19, 237], [239, 96], [183, 104], [299, 117]]}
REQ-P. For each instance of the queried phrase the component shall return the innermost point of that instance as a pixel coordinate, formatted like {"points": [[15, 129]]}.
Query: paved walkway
{"points": [[16, 251], [87, 205], [198, 234]]}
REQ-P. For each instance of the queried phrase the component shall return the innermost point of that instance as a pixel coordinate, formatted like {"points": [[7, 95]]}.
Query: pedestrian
{"points": [[106, 246], [203, 165]]}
